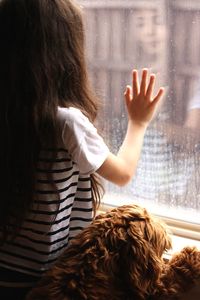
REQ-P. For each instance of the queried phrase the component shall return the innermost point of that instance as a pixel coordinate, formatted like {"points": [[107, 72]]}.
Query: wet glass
{"points": [[164, 36]]}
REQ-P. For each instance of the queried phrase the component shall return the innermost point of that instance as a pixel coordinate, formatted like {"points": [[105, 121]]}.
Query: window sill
{"points": [[178, 243]]}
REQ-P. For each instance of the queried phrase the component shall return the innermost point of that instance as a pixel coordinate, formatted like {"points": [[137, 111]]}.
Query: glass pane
{"points": [[165, 37]]}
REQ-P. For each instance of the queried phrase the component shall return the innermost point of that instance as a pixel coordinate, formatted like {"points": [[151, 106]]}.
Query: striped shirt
{"points": [[58, 214]]}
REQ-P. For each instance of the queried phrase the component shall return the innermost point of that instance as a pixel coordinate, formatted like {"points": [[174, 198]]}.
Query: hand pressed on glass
{"points": [[140, 104]]}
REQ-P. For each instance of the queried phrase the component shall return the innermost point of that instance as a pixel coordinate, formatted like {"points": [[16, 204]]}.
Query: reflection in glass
{"points": [[165, 37]]}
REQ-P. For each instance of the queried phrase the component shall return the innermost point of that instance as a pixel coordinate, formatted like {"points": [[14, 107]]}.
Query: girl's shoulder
{"points": [[70, 113], [80, 137], [71, 116]]}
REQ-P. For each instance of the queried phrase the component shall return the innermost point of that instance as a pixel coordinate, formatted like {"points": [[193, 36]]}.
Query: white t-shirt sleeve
{"points": [[85, 145]]}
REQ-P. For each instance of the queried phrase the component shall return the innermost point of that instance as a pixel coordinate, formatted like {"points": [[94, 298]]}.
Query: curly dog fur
{"points": [[119, 257]]}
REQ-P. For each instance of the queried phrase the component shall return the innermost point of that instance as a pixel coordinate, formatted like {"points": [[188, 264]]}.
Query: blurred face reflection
{"points": [[150, 30]]}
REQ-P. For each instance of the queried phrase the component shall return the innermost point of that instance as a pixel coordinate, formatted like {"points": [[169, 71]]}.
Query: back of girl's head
{"points": [[42, 66], [42, 53]]}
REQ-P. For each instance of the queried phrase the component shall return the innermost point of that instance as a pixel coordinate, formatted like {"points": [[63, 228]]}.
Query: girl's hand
{"points": [[139, 102]]}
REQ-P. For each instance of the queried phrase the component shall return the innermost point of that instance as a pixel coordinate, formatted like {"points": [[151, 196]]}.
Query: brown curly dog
{"points": [[119, 257]]}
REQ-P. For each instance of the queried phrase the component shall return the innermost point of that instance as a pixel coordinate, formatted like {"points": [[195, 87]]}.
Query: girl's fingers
{"points": [[135, 83], [158, 96], [143, 82], [128, 94], [150, 86], [142, 89]]}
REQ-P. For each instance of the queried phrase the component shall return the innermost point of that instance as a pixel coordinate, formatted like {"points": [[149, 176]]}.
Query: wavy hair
{"points": [[42, 66]]}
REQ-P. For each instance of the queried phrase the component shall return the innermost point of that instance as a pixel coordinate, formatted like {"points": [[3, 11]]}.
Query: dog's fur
{"points": [[119, 257]]}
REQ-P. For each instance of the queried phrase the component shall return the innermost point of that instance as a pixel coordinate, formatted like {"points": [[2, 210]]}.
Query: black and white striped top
{"points": [[58, 217]]}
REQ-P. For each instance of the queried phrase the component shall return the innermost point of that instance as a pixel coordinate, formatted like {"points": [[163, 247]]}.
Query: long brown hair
{"points": [[42, 66]]}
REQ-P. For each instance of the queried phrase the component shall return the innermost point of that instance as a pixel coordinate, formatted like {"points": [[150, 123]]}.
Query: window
{"points": [[163, 35]]}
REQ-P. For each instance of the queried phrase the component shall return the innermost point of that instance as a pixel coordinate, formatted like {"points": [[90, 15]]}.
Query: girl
{"points": [[50, 149]]}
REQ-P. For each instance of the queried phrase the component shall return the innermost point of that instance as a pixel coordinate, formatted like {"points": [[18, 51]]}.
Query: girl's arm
{"points": [[140, 105]]}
